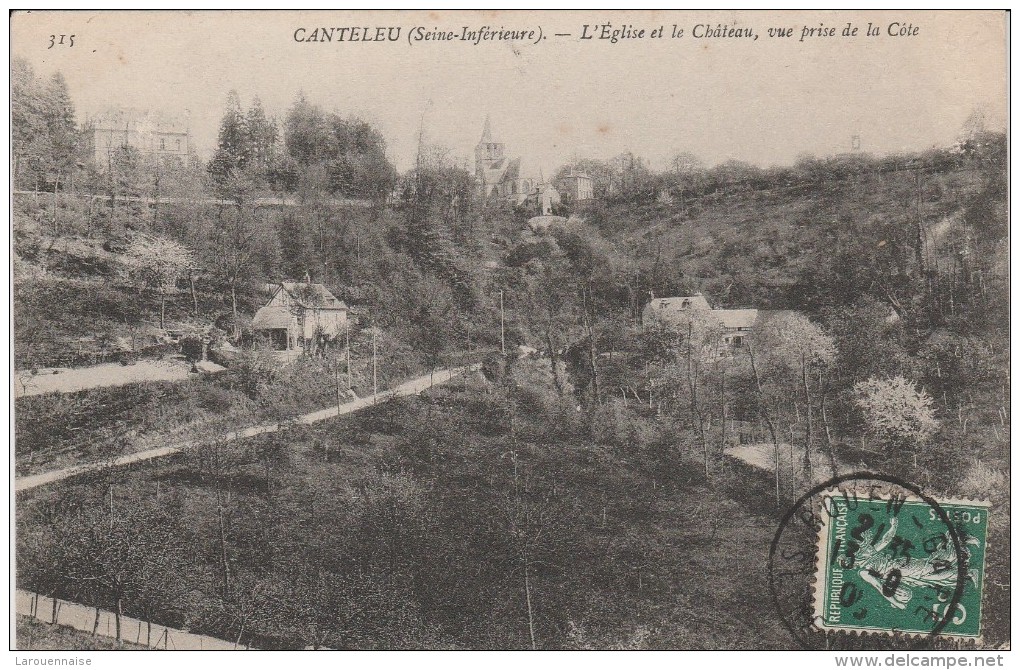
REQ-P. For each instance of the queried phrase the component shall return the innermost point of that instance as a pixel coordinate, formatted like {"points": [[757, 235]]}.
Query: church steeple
{"points": [[486, 131], [489, 159]]}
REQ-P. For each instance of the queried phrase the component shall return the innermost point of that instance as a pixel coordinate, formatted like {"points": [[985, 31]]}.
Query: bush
{"points": [[984, 482], [895, 412], [192, 348]]}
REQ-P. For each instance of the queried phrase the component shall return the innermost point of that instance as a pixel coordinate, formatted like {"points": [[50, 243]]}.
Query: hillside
{"points": [[576, 494], [796, 247]]}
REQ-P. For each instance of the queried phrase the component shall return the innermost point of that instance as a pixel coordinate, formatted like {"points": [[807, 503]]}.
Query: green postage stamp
{"points": [[897, 565]]}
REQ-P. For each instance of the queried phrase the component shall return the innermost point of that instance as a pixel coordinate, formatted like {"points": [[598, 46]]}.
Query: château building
{"points": [[149, 133], [576, 186]]}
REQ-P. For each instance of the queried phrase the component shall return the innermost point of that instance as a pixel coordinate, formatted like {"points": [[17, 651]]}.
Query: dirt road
{"points": [[410, 387], [70, 380]]}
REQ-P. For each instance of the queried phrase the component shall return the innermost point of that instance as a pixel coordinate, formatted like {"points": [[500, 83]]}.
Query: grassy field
{"points": [[54, 431]]}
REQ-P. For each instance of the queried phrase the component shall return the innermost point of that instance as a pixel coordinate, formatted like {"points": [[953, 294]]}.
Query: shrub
{"points": [[984, 482], [895, 412]]}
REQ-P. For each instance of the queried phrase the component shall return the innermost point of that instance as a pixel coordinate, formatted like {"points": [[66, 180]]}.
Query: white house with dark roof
{"points": [[576, 186], [298, 313]]}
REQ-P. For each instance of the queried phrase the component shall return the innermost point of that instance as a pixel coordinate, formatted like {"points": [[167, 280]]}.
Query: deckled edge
{"points": [[821, 560]]}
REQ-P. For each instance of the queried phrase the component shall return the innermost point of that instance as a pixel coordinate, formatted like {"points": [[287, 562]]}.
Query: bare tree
{"points": [[238, 240]]}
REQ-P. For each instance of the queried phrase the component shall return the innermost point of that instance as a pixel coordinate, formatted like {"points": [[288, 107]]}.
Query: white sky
{"points": [[765, 102]]}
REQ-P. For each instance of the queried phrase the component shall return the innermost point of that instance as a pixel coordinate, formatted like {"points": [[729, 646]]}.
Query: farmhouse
{"points": [[299, 314], [737, 324], [734, 324]]}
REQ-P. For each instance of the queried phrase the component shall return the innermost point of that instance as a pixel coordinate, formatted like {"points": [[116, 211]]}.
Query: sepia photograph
{"points": [[510, 330]]}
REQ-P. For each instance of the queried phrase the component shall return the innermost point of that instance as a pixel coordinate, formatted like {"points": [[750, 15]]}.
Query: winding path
{"points": [[411, 387]]}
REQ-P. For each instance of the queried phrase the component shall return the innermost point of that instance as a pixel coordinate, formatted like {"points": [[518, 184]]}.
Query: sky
{"points": [[765, 101]]}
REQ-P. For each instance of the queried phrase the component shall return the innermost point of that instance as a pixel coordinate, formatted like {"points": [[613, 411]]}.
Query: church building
{"points": [[496, 174]]}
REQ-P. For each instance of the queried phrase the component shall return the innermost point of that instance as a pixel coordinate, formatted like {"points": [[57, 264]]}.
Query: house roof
{"points": [[671, 308], [736, 318], [312, 295], [696, 301], [271, 318], [502, 170], [513, 169]]}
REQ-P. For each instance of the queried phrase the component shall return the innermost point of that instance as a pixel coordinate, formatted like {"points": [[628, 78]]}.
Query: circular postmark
{"points": [[867, 561]]}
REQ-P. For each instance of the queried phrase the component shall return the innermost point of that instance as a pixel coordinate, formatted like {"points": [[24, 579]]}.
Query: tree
{"points": [[631, 180], [305, 131], [297, 247], [432, 320], [895, 412], [261, 136], [688, 173], [734, 174], [692, 341], [588, 273], [258, 370], [62, 128], [45, 141], [789, 351], [163, 578], [157, 263], [866, 341], [684, 163], [109, 554], [554, 314], [28, 119], [528, 518], [238, 244], [246, 141], [232, 142], [216, 461], [350, 151]]}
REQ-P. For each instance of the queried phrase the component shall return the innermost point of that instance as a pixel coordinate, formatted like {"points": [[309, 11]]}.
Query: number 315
{"points": [[56, 40]]}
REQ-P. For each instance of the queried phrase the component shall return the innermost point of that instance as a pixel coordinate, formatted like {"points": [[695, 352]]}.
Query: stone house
{"points": [[576, 186]]}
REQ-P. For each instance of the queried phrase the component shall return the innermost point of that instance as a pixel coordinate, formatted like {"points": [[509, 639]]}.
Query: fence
{"points": [[97, 621]]}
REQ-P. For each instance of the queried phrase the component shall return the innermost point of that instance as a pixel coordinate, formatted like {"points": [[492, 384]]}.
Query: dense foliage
{"points": [[553, 504]]}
